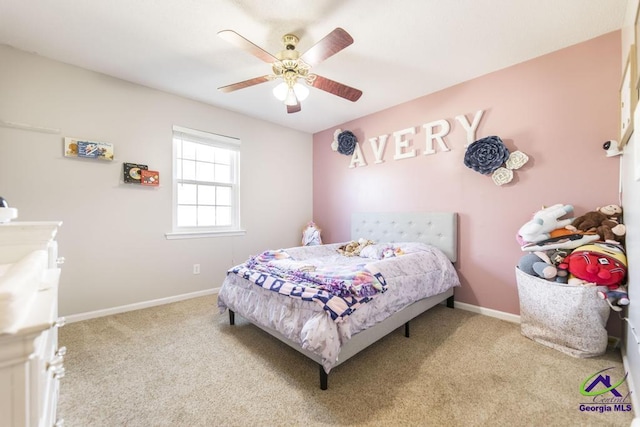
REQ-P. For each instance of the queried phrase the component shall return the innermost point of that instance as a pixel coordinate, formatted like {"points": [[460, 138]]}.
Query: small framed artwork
{"points": [[132, 172], [74, 147], [148, 177], [628, 97]]}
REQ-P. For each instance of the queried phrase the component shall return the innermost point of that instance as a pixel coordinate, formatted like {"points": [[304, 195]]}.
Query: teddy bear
{"points": [[353, 247], [615, 298], [604, 221], [544, 222]]}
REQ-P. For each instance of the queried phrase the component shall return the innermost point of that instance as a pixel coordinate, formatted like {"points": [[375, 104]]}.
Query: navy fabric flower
{"points": [[486, 155], [347, 142]]}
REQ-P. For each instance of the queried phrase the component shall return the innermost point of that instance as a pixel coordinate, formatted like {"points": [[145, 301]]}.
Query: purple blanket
{"points": [[340, 290]]}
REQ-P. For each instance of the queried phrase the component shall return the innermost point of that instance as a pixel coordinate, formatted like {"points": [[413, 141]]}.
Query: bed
{"points": [[422, 244]]}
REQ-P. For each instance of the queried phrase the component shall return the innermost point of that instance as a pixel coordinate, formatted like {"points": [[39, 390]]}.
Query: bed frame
{"points": [[439, 229]]}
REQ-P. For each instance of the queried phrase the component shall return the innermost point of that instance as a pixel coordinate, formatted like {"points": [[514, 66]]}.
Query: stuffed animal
{"points": [[597, 263], [538, 264], [390, 252], [615, 298], [604, 221], [562, 242], [557, 256], [544, 222], [353, 248], [311, 235], [563, 273]]}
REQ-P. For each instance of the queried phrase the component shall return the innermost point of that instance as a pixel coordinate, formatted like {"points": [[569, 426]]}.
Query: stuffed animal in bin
{"points": [[544, 222], [563, 273], [598, 263], [538, 264], [561, 241], [604, 221], [615, 298]]}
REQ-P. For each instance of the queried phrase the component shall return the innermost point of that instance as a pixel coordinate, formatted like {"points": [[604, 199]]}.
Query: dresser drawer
{"points": [[46, 370]]}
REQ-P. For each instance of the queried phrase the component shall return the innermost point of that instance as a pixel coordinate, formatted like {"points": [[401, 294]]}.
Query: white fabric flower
{"points": [[335, 144], [516, 160], [502, 176]]}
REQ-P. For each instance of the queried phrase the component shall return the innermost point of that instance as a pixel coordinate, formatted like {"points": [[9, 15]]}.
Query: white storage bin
{"points": [[568, 318]]}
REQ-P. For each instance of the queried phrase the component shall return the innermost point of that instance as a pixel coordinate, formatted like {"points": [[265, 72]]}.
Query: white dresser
{"points": [[31, 364]]}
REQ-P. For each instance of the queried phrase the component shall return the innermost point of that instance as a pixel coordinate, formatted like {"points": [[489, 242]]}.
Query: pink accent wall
{"points": [[558, 109]]}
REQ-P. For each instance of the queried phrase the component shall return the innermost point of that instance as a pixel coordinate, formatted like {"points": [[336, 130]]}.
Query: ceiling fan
{"points": [[294, 68]]}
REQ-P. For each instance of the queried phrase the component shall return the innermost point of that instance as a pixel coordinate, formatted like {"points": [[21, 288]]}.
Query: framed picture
{"points": [[131, 172], [74, 147], [628, 97], [148, 177]]}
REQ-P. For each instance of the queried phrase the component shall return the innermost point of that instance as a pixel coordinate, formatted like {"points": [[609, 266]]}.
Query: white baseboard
{"points": [[513, 318], [137, 306]]}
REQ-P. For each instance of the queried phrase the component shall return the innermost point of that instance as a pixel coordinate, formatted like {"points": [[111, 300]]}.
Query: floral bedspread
{"points": [[420, 272], [339, 289]]}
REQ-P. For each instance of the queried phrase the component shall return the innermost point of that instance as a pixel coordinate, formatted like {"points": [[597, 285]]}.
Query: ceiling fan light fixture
{"points": [[280, 91], [301, 91], [291, 96], [290, 66]]}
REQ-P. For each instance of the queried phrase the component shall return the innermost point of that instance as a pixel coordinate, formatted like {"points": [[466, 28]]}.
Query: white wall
{"points": [[630, 189], [113, 233], [630, 161]]}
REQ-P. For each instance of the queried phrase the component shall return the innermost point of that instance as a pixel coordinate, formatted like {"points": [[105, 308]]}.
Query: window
{"points": [[206, 184]]}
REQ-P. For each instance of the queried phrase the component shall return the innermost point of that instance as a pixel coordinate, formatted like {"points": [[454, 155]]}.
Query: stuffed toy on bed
{"points": [[354, 248]]}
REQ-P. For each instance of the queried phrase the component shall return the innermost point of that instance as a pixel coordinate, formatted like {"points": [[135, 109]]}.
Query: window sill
{"points": [[203, 234]]}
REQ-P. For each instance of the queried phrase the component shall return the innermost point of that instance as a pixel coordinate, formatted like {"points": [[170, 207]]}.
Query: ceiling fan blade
{"points": [[294, 108], [339, 89], [239, 41], [331, 44], [246, 83]]}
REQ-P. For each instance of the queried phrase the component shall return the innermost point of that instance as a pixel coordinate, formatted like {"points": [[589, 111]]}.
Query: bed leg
{"points": [[232, 318], [406, 329], [324, 378], [450, 301]]}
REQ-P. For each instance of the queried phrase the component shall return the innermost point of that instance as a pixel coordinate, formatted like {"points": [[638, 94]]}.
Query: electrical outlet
{"points": [[196, 268]]}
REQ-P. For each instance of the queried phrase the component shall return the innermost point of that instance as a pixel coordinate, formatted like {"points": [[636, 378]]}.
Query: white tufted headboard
{"points": [[439, 229]]}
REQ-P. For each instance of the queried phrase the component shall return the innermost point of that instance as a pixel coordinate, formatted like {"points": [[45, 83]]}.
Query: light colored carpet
{"points": [[182, 364]]}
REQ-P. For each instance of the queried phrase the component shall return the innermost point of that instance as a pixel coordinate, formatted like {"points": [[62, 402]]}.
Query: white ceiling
{"points": [[403, 49]]}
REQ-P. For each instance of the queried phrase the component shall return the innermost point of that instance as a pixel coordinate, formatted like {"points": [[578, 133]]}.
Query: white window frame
{"points": [[214, 140]]}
